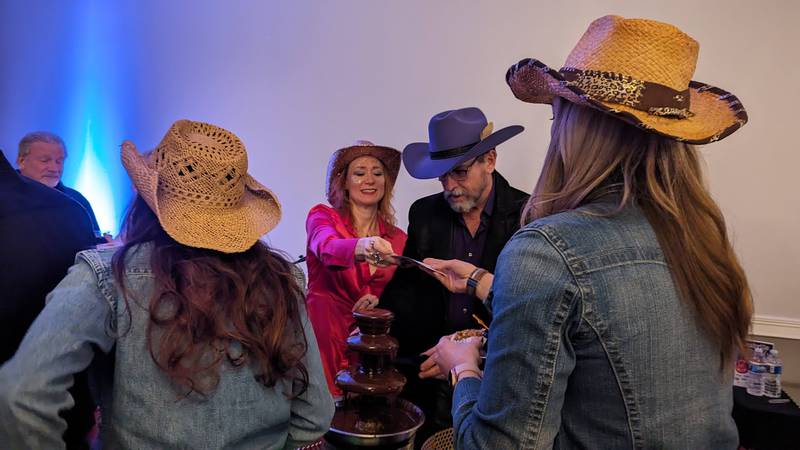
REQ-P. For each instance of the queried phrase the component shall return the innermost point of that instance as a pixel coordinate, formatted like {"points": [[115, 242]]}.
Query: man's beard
{"points": [[466, 203]]}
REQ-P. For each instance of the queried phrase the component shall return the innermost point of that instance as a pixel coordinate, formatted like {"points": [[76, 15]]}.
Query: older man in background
{"points": [[40, 157]]}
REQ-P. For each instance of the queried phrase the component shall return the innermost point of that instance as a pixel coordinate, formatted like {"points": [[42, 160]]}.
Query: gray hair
{"points": [[25, 143]]}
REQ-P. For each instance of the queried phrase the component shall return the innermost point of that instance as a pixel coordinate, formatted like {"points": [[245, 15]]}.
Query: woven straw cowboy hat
{"points": [[341, 158], [196, 183], [639, 71]]}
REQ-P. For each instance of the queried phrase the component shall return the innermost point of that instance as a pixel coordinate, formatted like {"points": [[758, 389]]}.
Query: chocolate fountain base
{"points": [[364, 422]]}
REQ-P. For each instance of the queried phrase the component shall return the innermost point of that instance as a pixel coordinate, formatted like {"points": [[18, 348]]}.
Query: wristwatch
{"points": [[458, 370], [473, 280]]}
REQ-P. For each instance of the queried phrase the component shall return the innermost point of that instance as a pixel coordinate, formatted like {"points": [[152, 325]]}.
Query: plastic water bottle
{"points": [[772, 376], [755, 372]]}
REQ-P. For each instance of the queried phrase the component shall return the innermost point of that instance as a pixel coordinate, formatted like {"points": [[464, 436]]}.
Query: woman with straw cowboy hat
{"points": [[194, 329], [619, 307], [345, 242]]}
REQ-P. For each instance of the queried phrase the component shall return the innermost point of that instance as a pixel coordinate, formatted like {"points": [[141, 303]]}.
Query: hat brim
{"points": [[418, 162], [716, 113], [231, 229], [388, 156]]}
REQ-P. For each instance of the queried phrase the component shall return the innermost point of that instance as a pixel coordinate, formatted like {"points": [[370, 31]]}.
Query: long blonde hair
{"points": [[589, 149]]}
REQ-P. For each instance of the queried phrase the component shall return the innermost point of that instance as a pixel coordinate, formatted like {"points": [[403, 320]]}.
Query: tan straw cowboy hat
{"points": [[196, 183], [341, 158], [639, 71]]}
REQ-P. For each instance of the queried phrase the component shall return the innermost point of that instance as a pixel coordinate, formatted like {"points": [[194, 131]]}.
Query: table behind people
{"points": [[471, 219], [41, 230]]}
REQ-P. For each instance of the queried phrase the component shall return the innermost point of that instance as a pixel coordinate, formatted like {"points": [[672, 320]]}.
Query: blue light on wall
{"points": [[95, 114], [93, 181]]}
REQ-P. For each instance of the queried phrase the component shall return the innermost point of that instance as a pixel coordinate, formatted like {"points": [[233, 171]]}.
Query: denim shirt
{"points": [[591, 346], [85, 318]]}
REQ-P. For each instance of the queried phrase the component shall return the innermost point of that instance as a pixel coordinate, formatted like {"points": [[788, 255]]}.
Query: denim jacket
{"points": [[591, 347], [85, 319]]}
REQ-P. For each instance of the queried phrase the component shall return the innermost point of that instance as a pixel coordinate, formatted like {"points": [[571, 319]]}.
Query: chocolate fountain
{"points": [[370, 415]]}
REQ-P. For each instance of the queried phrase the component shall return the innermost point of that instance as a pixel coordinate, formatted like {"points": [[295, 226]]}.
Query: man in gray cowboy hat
{"points": [[471, 219]]}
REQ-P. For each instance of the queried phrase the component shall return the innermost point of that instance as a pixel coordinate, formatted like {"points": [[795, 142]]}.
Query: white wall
{"points": [[296, 80]]}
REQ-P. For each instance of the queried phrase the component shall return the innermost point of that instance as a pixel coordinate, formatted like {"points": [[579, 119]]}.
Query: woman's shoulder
{"points": [[395, 232], [588, 231], [322, 210], [589, 219], [137, 258], [99, 259], [321, 207]]}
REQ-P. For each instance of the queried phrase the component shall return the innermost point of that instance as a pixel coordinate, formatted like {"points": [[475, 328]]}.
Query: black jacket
{"points": [[419, 301], [78, 197], [40, 232]]}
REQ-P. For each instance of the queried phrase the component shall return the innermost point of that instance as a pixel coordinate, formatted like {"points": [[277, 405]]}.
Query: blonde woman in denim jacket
{"points": [[618, 308], [194, 331]]}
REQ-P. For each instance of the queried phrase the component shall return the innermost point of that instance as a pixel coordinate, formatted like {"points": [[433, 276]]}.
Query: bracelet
{"points": [[455, 372], [473, 280]]}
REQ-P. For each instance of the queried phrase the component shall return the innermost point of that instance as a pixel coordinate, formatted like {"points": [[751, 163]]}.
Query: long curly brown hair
{"points": [[209, 307]]}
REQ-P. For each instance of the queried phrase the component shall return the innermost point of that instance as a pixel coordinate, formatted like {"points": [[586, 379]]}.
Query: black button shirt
{"points": [[467, 248]]}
